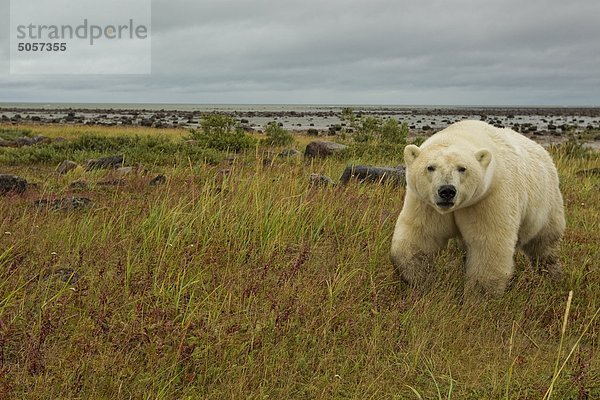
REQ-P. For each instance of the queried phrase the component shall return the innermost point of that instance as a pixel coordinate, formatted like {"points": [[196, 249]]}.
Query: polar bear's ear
{"points": [[410, 153], [484, 157]]}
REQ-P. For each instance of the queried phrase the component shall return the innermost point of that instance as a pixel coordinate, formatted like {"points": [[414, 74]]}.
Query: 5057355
{"points": [[42, 46]]}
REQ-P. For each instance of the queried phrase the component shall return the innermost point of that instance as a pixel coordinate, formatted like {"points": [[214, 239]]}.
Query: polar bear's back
{"points": [[478, 134]]}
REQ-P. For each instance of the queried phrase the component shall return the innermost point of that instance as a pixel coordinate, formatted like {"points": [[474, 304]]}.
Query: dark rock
{"points": [[104, 163], [66, 166], [12, 184], [79, 185], [222, 173], [66, 275], [7, 143], [315, 180], [589, 172], [122, 172], [362, 173], [66, 204], [24, 141], [111, 182], [290, 153], [320, 148], [312, 131], [159, 179]]}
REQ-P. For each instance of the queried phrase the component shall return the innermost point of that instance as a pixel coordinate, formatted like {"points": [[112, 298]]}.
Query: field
{"points": [[236, 279]]}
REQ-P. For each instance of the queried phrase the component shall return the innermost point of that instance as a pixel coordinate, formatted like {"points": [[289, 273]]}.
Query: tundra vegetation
{"points": [[235, 278]]}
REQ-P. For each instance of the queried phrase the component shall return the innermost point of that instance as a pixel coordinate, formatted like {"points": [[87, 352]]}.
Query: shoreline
{"points": [[544, 124]]}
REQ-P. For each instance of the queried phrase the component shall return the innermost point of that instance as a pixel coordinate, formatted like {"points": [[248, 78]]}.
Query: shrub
{"points": [[392, 132], [381, 152], [349, 116], [136, 149], [218, 124], [368, 129], [221, 132], [277, 136]]}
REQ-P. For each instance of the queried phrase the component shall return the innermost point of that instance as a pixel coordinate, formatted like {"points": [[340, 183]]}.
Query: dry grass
{"points": [[253, 285]]}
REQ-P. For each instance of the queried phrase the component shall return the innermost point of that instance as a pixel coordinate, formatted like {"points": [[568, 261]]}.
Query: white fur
{"points": [[507, 197]]}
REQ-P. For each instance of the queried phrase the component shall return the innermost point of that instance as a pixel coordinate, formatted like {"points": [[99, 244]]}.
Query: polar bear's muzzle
{"points": [[446, 195]]}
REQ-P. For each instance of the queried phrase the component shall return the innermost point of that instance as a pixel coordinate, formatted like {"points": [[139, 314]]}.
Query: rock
{"points": [[122, 172], [312, 131], [30, 141], [66, 204], [79, 184], [12, 184], [7, 143], [315, 180], [362, 173], [290, 153], [159, 179], [595, 146], [589, 172], [223, 173], [319, 148], [111, 182], [104, 163], [66, 275], [66, 166]]}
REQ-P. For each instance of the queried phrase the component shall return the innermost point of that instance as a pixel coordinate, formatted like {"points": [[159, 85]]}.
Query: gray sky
{"points": [[470, 52]]}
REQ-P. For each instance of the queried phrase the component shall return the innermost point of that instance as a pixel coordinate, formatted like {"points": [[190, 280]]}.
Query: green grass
{"points": [[13, 133], [251, 284]]}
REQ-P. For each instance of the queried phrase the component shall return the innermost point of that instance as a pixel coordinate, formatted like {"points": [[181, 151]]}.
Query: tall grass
{"points": [[252, 284]]}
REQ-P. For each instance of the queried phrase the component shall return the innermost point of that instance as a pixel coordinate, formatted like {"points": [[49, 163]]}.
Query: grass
{"points": [[251, 284]]}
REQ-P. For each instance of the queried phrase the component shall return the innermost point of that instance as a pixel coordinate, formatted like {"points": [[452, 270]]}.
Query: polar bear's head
{"points": [[448, 177]]}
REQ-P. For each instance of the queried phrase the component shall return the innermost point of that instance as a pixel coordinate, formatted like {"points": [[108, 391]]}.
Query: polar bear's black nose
{"points": [[447, 192]]}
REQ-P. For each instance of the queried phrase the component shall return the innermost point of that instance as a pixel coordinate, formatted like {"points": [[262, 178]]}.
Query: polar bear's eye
{"points": [[461, 169], [430, 168]]}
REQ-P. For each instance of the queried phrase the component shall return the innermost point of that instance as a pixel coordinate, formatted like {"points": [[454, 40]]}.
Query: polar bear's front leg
{"points": [[489, 231], [490, 266], [419, 234]]}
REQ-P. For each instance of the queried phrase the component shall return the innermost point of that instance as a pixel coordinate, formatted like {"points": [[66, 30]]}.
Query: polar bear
{"points": [[494, 189]]}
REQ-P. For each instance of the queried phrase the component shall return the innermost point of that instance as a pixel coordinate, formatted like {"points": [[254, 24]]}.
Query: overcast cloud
{"points": [[511, 52]]}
